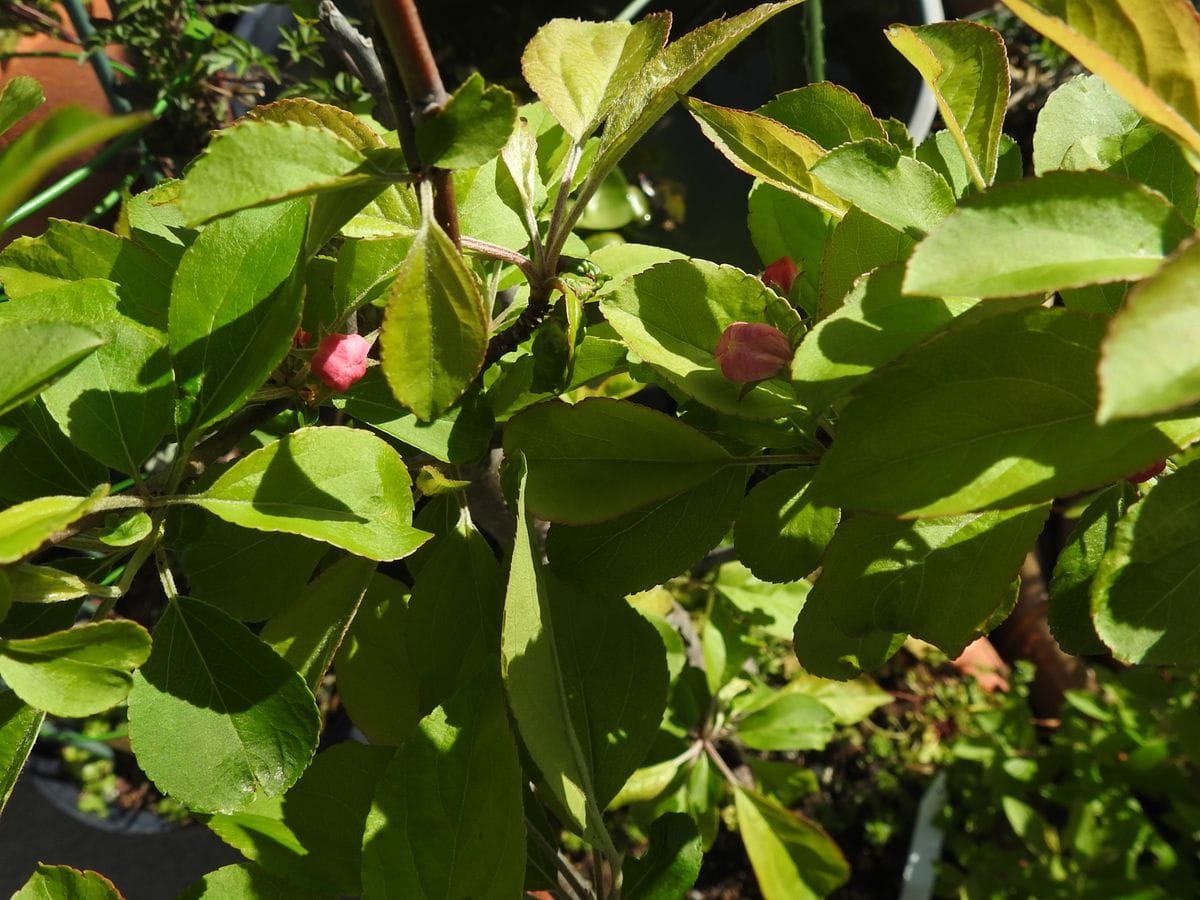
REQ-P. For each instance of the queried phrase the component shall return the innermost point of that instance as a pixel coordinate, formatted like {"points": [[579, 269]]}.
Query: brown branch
{"points": [[529, 319], [405, 36]]}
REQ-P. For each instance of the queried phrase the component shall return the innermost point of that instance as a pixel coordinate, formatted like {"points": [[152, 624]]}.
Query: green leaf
{"points": [[858, 244], [789, 721], [435, 332], [881, 181], [235, 306], [1023, 433], [824, 649], [75, 673], [55, 882], [339, 485], [470, 129], [34, 353], [670, 74], [850, 702], [1064, 229], [26, 526], [252, 575], [941, 153], [579, 68], [938, 579], [461, 434], [308, 632], [648, 545], [215, 716], [1148, 364], [454, 614], [966, 64], [771, 608], [601, 458], [482, 211], [672, 316], [828, 113], [362, 211], [19, 726], [767, 149], [622, 261], [6, 595], [42, 147], [37, 459], [1148, 52], [1141, 592], [670, 867], [230, 174], [43, 584], [586, 724], [448, 818], [780, 535], [237, 882], [124, 529], [69, 251], [1070, 609], [154, 220], [116, 404], [781, 224], [793, 858], [312, 836], [18, 98], [1085, 124], [518, 181], [874, 325], [365, 270], [376, 678]]}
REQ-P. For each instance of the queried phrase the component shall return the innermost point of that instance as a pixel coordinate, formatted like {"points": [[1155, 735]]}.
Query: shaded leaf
{"points": [[308, 632], [671, 865], [447, 819], [215, 716], [780, 535], [34, 353], [648, 545], [1142, 590], [975, 419], [312, 836], [601, 458], [1070, 609], [938, 579]]}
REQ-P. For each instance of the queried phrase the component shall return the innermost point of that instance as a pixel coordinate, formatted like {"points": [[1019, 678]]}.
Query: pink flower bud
{"points": [[781, 275], [340, 360], [1151, 471], [752, 351]]}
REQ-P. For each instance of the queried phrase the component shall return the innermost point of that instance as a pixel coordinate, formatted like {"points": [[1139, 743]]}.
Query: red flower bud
{"points": [[781, 275], [752, 351], [341, 360], [1151, 471], [301, 338]]}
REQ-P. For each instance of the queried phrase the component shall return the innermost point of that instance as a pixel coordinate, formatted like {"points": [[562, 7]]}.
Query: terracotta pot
{"points": [[64, 82]]}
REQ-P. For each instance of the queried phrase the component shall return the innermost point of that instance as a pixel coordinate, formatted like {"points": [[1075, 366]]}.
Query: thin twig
{"points": [[495, 251], [357, 52], [574, 881], [405, 36]]}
